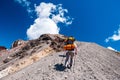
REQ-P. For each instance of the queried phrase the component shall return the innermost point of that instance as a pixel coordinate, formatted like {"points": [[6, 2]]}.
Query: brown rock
{"points": [[17, 43]]}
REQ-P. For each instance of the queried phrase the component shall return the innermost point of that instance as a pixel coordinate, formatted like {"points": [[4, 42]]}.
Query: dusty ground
{"points": [[22, 63], [93, 62]]}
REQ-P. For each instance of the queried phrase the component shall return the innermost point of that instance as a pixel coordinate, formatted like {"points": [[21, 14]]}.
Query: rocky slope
{"points": [[24, 53], [93, 62]]}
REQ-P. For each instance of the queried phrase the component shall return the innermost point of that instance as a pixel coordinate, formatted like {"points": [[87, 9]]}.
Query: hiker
{"points": [[71, 50]]}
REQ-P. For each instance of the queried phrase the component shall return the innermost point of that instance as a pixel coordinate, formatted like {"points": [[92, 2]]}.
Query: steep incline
{"points": [[93, 62], [24, 53]]}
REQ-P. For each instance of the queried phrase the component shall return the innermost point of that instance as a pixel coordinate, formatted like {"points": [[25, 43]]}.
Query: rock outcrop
{"points": [[2, 48], [18, 43], [27, 51]]}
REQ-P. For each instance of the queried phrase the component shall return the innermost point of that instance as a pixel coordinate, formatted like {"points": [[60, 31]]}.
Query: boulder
{"points": [[18, 43]]}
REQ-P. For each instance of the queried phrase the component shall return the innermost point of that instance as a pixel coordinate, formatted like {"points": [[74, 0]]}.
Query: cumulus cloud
{"points": [[48, 16], [25, 3], [109, 47], [42, 26], [115, 36]]}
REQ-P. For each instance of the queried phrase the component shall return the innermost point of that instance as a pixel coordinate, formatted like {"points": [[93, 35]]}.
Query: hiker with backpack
{"points": [[71, 50]]}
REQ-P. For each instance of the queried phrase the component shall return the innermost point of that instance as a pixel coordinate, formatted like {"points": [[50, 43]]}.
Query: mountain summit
{"points": [[41, 59]]}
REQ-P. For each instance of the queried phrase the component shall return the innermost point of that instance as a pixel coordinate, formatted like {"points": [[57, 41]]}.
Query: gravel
{"points": [[93, 62]]}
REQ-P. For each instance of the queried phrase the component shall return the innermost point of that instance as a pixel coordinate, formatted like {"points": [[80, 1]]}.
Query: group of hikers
{"points": [[70, 48]]}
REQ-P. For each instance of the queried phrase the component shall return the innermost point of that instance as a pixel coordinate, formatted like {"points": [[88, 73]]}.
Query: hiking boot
{"points": [[66, 65], [69, 66]]}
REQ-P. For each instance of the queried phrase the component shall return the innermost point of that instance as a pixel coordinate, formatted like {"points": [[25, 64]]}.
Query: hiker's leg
{"points": [[67, 58], [71, 59], [71, 62]]}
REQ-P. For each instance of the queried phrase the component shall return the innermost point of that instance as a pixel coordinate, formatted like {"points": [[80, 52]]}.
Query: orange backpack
{"points": [[69, 44], [69, 47]]}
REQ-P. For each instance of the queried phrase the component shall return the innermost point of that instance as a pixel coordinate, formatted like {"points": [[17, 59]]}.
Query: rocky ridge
{"points": [[24, 53]]}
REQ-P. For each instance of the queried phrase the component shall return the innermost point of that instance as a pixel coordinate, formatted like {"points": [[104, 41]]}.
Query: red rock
{"points": [[2, 48]]}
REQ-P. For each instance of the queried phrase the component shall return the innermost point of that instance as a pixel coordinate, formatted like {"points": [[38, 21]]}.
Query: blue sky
{"points": [[87, 20]]}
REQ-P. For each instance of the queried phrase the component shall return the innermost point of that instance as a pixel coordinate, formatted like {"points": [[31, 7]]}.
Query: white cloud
{"points": [[115, 36], [48, 15], [109, 47], [44, 9], [23, 2], [42, 26], [26, 4]]}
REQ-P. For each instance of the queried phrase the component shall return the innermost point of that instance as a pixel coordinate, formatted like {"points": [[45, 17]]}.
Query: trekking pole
{"points": [[74, 64], [62, 58]]}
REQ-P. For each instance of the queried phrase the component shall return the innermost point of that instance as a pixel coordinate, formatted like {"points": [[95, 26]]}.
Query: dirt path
{"points": [[93, 62]]}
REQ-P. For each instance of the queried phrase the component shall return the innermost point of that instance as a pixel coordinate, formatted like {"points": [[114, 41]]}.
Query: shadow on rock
{"points": [[59, 67], [62, 55]]}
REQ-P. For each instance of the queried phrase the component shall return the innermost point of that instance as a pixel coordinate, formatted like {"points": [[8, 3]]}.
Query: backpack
{"points": [[69, 43]]}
